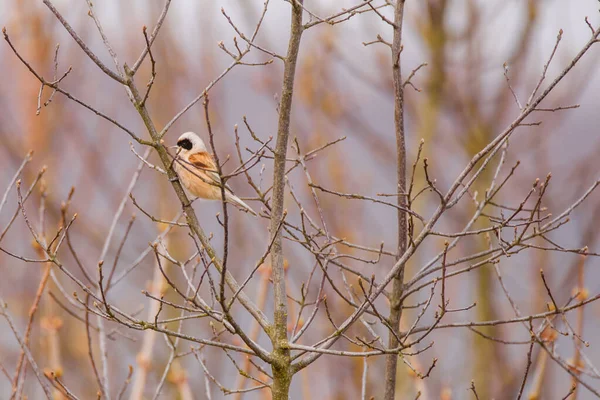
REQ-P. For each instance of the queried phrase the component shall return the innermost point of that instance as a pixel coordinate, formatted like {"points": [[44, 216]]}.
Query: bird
{"points": [[197, 171]]}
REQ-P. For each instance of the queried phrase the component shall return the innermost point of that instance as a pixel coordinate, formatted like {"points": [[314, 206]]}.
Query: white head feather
{"points": [[190, 143]]}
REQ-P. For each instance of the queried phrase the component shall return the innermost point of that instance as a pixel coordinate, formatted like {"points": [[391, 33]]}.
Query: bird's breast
{"points": [[196, 182]]}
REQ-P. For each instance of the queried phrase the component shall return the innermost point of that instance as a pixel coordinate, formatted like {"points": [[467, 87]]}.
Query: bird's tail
{"points": [[237, 201]]}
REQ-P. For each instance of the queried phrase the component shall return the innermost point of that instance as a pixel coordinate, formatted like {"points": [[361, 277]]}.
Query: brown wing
{"points": [[204, 161], [206, 164]]}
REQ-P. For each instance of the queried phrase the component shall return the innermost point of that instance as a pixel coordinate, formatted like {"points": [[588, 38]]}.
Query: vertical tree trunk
{"points": [[282, 373], [398, 283]]}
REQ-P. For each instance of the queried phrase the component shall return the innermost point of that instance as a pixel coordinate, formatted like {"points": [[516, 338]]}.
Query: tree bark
{"points": [[282, 372], [398, 282]]}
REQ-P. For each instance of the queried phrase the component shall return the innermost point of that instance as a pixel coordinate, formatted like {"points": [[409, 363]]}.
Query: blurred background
{"points": [[343, 88]]}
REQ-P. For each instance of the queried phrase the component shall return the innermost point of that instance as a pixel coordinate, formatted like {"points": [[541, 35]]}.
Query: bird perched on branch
{"points": [[197, 171]]}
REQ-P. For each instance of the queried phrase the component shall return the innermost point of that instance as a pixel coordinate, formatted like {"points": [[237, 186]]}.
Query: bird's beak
{"points": [[173, 147]]}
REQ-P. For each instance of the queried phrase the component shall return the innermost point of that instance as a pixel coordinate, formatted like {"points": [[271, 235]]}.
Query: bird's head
{"points": [[190, 143]]}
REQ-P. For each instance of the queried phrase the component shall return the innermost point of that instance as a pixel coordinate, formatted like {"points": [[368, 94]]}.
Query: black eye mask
{"points": [[185, 143]]}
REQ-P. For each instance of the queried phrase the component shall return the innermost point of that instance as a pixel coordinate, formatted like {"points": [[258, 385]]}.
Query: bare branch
{"points": [[90, 54]]}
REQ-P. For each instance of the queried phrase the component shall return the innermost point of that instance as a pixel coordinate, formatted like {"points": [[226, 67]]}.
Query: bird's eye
{"points": [[185, 143]]}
